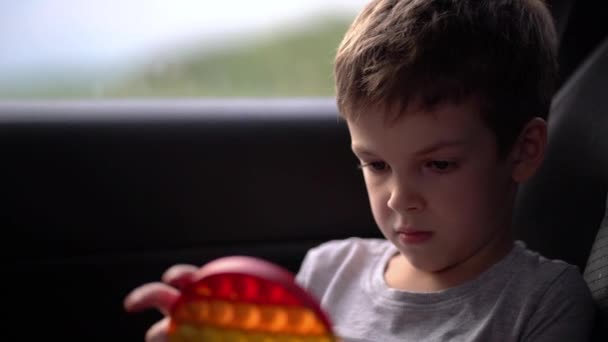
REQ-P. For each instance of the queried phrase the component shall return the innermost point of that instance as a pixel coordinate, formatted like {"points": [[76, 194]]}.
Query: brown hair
{"points": [[500, 52]]}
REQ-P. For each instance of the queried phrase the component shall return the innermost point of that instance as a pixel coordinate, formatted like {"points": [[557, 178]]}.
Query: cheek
{"points": [[378, 201], [476, 199], [467, 198]]}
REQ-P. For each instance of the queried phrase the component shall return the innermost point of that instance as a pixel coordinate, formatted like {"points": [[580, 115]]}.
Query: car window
{"points": [[170, 48]]}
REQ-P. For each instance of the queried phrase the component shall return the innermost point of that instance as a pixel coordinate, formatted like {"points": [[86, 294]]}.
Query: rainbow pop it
{"points": [[245, 299]]}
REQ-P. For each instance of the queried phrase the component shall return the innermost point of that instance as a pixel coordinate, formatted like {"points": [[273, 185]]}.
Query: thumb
{"points": [[179, 276], [158, 331]]}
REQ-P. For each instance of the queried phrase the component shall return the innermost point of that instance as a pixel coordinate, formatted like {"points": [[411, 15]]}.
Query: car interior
{"points": [[100, 196]]}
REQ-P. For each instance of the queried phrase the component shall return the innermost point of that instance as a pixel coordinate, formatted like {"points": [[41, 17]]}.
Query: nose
{"points": [[405, 197]]}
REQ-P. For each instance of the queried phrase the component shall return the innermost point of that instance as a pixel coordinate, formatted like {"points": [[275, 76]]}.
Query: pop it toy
{"points": [[246, 299]]}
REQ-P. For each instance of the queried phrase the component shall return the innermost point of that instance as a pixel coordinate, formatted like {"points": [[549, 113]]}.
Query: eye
{"points": [[376, 166], [441, 165]]}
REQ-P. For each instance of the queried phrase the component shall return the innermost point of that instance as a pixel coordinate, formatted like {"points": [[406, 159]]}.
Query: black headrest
{"points": [[596, 275], [559, 211]]}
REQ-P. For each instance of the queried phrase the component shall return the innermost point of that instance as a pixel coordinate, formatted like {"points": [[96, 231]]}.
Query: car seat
{"points": [[559, 212]]}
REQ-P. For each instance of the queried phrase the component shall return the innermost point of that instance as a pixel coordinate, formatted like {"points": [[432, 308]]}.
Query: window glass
{"points": [[170, 48]]}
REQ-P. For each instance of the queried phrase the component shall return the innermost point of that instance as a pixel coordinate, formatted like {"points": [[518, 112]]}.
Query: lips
{"points": [[413, 236]]}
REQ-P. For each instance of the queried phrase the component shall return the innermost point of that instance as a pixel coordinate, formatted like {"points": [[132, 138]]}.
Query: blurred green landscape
{"points": [[296, 62]]}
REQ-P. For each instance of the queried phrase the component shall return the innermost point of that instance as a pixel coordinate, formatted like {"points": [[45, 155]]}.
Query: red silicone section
{"points": [[252, 280]]}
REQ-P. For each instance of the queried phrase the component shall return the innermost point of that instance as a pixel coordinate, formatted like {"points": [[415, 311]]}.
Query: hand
{"points": [[160, 295]]}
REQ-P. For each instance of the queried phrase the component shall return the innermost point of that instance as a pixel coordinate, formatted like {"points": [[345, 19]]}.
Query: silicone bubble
{"points": [[246, 299]]}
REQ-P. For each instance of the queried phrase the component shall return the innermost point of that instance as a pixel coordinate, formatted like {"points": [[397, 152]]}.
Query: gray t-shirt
{"points": [[523, 297]]}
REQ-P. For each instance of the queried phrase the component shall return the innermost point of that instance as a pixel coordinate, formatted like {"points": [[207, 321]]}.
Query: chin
{"points": [[423, 264]]}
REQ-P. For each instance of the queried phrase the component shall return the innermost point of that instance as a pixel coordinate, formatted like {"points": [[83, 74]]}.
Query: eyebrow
{"points": [[427, 150], [361, 150], [441, 145]]}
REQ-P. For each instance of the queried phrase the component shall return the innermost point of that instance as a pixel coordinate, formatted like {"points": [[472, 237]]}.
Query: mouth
{"points": [[412, 236]]}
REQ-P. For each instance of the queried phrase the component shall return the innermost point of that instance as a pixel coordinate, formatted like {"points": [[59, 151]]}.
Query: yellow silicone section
{"points": [[246, 316], [191, 333]]}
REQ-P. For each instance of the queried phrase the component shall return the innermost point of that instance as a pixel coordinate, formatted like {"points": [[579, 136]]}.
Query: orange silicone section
{"points": [[239, 299], [247, 316]]}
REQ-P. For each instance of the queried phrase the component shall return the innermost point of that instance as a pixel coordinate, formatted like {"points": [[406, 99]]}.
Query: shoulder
{"points": [[548, 279], [341, 248], [333, 258], [563, 306], [531, 267]]}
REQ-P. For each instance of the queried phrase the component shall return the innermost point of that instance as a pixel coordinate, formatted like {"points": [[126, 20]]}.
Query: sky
{"points": [[46, 34]]}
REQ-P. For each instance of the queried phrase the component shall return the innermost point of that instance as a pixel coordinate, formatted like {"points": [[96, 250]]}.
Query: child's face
{"points": [[436, 186]]}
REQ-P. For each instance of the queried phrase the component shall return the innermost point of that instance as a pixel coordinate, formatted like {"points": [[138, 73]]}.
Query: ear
{"points": [[529, 150]]}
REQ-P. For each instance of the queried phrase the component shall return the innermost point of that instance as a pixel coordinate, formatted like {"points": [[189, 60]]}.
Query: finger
{"points": [[180, 275], [153, 295], [158, 332]]}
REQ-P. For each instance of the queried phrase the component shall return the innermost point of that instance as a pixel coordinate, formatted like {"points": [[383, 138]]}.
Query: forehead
{"points": [[416, 128]]}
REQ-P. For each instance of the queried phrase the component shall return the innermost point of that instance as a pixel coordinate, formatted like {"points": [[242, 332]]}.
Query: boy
{"points": [[445, 103]]}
